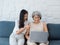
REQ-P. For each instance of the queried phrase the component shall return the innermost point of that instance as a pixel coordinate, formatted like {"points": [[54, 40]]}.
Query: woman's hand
{"points": [[27, 27], [17, 32], [20, 30]]}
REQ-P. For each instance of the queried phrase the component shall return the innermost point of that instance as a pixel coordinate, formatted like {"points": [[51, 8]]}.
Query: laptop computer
{"points": [[40, 37]]}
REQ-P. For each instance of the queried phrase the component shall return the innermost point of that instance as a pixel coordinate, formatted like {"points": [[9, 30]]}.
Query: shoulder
{"points": [[16, 22]]}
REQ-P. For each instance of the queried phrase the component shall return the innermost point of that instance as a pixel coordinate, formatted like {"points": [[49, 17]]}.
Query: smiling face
{"points": [[36, 18], [36, 15]]}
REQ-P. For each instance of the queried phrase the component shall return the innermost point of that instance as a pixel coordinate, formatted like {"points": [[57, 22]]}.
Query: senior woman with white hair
{"points": [[36, 25]]}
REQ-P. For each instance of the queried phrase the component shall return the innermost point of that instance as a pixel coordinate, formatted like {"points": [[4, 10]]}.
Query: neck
{"points": [[37, 22]]}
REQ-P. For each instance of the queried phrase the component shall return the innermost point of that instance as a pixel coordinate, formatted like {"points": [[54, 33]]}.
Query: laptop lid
{"points": [[36, 36]]}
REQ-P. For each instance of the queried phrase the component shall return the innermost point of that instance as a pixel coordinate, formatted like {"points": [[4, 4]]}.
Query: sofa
{"points": [[6, 28], [54, 34]]}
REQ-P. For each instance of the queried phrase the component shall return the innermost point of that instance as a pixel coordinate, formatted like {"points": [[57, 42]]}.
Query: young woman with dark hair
{"points": [[17, 36]]}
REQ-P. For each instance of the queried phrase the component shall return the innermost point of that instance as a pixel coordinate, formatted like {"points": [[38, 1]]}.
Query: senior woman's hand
{"points": [[20, 31]]}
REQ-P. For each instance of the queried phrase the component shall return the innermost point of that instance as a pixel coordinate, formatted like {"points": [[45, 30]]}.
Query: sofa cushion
{"points": [[6, 28], [4, 41], [54, 42], [54, 31]]}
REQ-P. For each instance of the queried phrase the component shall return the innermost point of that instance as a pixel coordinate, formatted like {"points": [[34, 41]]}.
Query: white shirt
{"points": [[21, 35]]}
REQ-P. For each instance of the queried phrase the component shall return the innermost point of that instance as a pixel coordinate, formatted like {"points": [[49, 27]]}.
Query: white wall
{"points": [[50, 9]]}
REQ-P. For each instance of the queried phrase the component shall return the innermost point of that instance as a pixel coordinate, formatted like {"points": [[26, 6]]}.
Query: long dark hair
{"points": [[21, 17]]}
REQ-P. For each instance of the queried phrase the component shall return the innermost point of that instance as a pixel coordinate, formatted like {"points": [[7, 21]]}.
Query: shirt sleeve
{"points": [[16, 27]]}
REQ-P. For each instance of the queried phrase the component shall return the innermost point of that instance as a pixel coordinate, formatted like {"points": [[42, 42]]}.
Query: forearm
{"points": [[27, 34], [45, 27], [20, 30], [27, 37]]}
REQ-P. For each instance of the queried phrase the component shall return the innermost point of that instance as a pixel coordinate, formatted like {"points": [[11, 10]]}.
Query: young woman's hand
{"points": [[20, 30], [27, 27], [17, 32]]}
